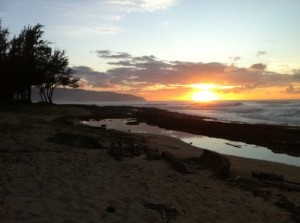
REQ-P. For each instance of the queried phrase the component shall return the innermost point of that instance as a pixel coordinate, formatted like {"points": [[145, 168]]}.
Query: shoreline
{"points": [[221, 146], [54, 169], [279, 139]]}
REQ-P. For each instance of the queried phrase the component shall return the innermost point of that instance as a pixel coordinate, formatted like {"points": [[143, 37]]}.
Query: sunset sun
{"points": [[204, 96]]}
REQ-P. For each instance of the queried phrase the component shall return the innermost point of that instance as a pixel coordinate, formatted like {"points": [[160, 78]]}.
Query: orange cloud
{"points": [[157, 79]]}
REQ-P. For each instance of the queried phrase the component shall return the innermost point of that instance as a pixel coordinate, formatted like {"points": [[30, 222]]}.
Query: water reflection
{"points": [[215, 144]]}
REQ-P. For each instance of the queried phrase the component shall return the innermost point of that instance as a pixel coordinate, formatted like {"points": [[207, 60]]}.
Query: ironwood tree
{"points": [[28, 61], [5, 90], [53, 72]]}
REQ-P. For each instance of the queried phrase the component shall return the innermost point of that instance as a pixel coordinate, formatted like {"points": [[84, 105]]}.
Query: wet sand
{"points": [[46, 181]]}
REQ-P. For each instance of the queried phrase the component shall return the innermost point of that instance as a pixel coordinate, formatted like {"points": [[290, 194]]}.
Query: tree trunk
{"points": [[29, 94], [42, 94]]}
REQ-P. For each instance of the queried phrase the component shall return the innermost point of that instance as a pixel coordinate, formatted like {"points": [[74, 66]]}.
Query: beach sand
{"points": [[46, 181]]}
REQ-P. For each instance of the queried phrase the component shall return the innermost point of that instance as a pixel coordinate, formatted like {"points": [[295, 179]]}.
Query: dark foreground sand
{"points": [[46, 181]]}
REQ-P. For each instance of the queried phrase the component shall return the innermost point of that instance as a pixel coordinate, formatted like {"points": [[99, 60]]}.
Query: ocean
{"points": [[262, 112], [278, 112]]}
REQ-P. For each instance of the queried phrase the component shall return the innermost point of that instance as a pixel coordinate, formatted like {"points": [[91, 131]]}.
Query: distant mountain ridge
{"points": [[79, 95]]}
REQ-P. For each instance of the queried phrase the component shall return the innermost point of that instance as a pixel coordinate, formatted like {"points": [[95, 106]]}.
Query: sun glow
{"points": [[204, 96]]}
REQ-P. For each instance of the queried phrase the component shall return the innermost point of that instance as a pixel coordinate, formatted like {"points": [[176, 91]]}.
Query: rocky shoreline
{"points": [[54, 169], [280, 139]]}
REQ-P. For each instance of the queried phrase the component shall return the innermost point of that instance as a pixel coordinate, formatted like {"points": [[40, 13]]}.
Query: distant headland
{"points": [[79, 95]]}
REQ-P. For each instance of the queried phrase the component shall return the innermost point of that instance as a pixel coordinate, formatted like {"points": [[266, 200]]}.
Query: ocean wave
{"points": [[255, 112], [263, 112], [218, 104], [280, 102]]}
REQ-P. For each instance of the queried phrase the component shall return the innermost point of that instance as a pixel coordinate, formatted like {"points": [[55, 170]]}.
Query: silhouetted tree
{"points": [[26, 61], [25, 51], [54, 73], [6, 92]]}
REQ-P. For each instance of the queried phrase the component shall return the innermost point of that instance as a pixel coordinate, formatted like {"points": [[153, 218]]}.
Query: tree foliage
{"points": [[4, 46], [27, 61], [53, 72]]}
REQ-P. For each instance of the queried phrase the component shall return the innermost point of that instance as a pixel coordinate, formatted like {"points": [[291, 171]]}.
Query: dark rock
{"points": [[120, 149], [277, 180], [267, 176], [176, 163], [110, 209], [216, 162], [132, 122], [116, 150], [167, 213], [296, 215], [262, 192], [75, 140], [285, 203], [153, 154], [255, 186]]}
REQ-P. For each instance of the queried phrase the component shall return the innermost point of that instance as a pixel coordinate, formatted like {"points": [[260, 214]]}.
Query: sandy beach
{"points": [[55, 169]]}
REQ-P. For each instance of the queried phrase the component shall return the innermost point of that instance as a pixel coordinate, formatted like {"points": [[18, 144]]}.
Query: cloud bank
{"points": [[149, 73]]}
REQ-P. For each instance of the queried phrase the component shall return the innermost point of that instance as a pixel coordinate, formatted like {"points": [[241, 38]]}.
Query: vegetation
{"points": [[27, 61]]}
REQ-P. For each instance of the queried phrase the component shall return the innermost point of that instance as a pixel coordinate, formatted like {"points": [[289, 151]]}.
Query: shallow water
{"points": [[215, 144]]}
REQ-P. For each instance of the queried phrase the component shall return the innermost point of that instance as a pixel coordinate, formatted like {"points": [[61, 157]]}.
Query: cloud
{"points": [[87, 31], [296, 75], [125, 60], [129, 6], [113, 10], [114, 18], [292, 90], [235, 58], [155, 5], [238, 89], [149, 73], [107, 54], [98, 17], [261, 53], [258, 66], [90, 78]]}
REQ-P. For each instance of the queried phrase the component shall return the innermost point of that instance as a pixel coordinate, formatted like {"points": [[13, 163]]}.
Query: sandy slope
{"points": [[42, 181]]}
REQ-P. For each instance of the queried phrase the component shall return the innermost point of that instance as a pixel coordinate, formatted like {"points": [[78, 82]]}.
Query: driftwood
{"points": [[176, 163]]}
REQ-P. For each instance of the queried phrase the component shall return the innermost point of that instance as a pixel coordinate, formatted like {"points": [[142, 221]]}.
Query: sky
{"points": [[173, 49]]}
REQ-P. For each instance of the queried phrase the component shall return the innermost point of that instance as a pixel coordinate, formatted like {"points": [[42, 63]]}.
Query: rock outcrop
{"points": [[215, 162]]}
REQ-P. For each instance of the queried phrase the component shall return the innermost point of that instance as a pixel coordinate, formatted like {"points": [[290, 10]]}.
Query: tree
{"points": [[5, 91], [25, 51], [54, 72], [27, 61]]}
